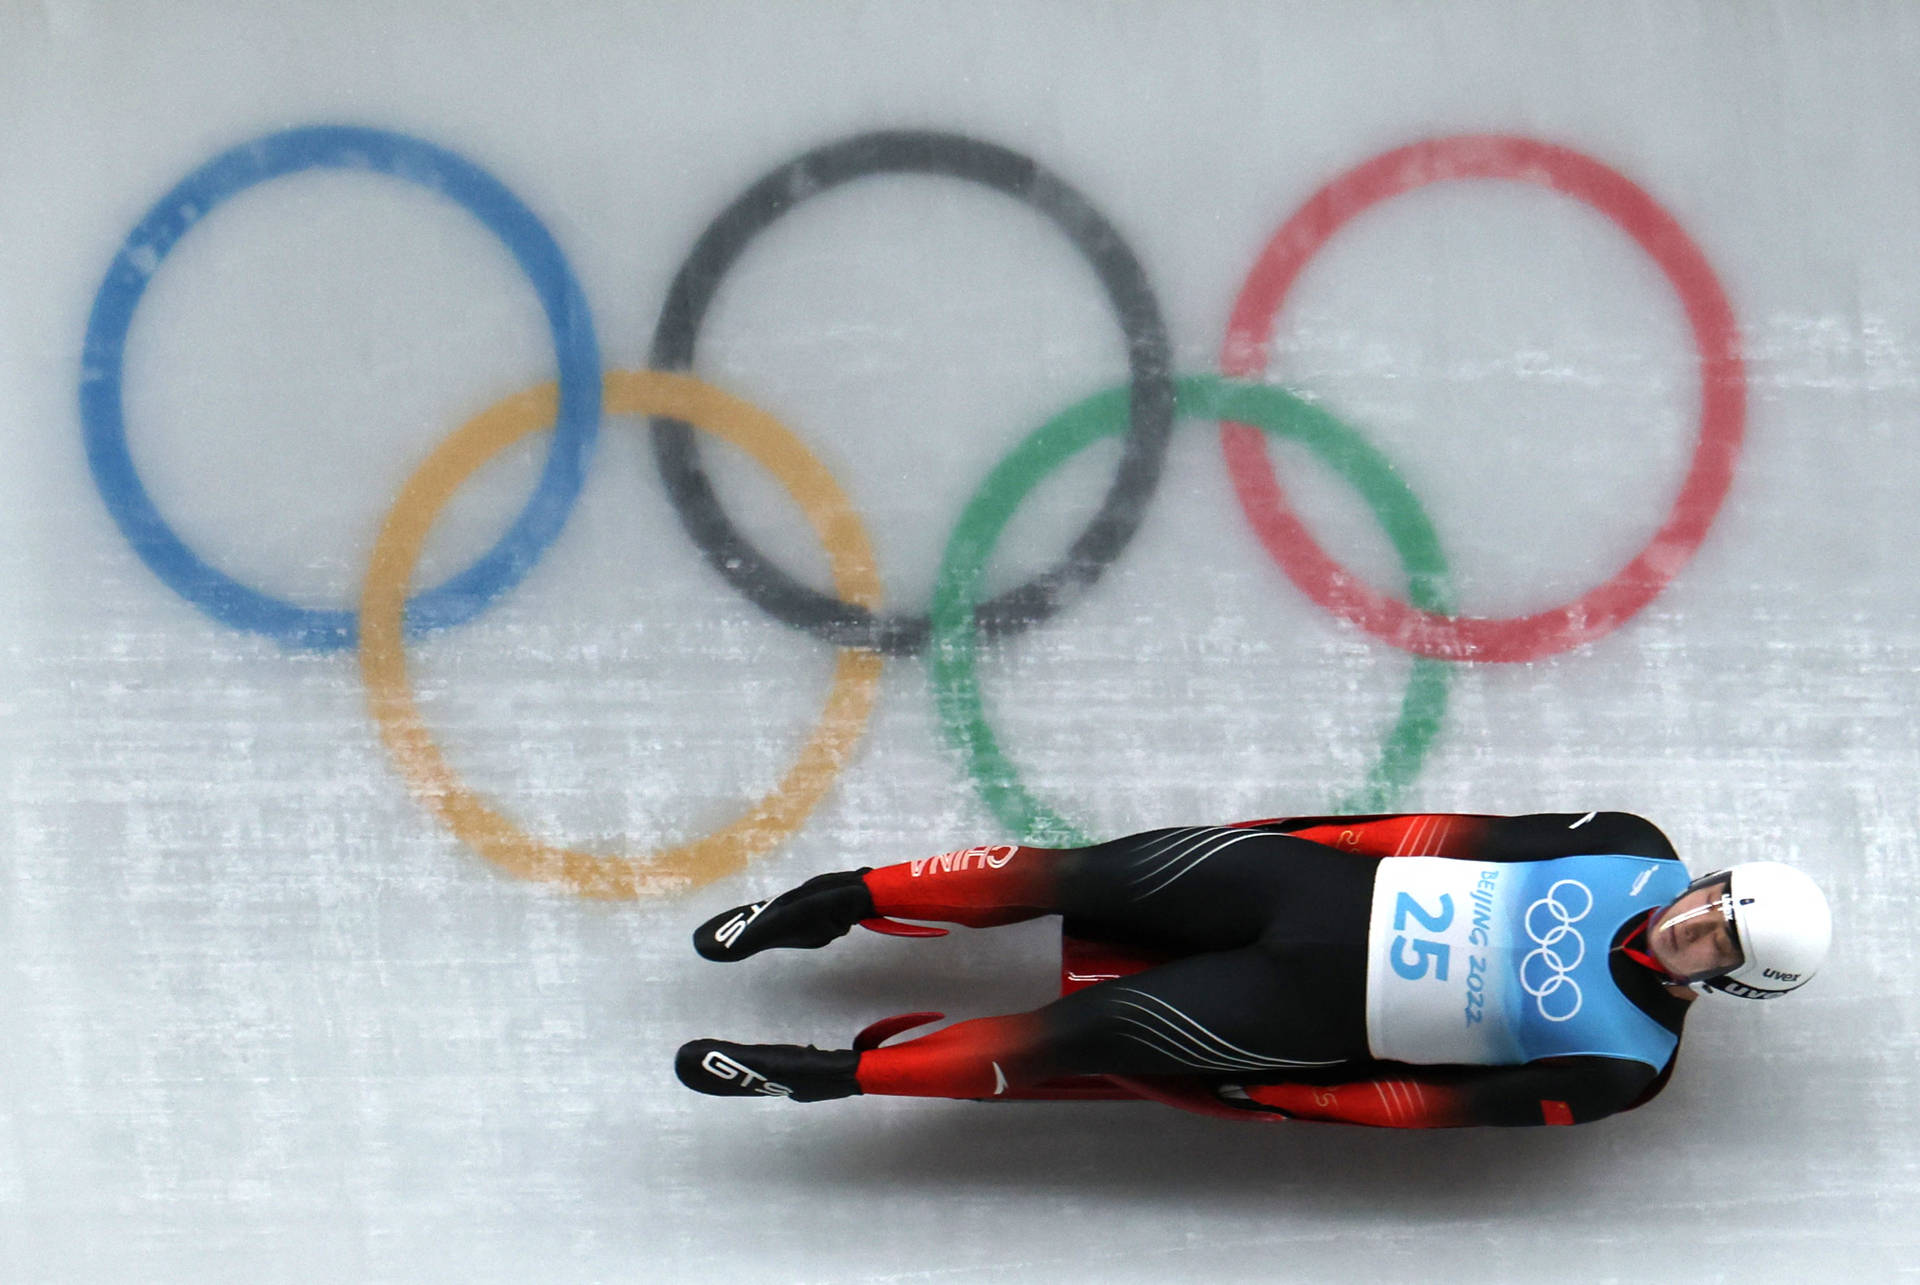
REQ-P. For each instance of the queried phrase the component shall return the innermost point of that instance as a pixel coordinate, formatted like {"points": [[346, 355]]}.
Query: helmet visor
{"points": [[1698, 936]]}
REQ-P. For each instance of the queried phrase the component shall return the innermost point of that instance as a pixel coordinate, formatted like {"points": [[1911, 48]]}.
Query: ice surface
{"points": [[266, 1019]]}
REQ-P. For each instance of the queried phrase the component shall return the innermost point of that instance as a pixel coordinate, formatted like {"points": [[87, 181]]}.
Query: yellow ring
{"points": [[383, 659]]}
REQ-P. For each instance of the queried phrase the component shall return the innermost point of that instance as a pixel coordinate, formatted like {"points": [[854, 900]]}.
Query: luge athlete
{"points": [[1414, 971]]}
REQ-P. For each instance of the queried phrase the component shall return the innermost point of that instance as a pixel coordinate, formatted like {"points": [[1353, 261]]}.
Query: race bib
{"points": [[1502, 963]]}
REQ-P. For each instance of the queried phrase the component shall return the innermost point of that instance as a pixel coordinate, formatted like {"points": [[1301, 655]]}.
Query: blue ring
{"points": [[351, 148]]}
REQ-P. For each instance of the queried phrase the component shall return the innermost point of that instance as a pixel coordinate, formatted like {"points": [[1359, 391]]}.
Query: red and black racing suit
{"points": [[1267, 922]]}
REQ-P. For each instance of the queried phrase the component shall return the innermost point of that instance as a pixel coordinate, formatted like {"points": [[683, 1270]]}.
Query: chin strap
{"points": [[1645, 958]]}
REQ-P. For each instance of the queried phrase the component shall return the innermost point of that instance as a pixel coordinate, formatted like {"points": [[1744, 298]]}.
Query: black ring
{"points": [[1149, 359]]}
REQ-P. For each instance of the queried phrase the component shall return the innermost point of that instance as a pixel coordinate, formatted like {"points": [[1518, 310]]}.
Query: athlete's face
{"points": [[1692, 938]]}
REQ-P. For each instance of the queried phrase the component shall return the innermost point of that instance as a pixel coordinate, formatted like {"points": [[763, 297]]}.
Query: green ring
{"points": [[956, 681]]}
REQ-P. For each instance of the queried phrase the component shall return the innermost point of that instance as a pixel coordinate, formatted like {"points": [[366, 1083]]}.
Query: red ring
{"points": [[1722, 397]]}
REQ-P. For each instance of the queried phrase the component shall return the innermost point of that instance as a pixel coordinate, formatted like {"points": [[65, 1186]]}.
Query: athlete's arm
{"points": [[1572, 1090], [1543, 836], [1540, 836]]}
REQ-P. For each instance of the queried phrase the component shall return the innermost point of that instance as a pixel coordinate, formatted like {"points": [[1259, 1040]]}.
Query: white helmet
{"points": [[1781, 926]]}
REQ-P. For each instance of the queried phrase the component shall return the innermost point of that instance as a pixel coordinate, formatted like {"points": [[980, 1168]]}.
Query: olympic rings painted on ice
{"points": [[954, 156], [956, 681], [1142, 411], [294, 151], [1722, 396], [383, 655]]}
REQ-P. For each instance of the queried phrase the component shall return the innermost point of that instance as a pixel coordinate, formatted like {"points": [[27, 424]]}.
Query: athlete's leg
{"points": [[1252, 1013], [1186, 889], [979, 887]]}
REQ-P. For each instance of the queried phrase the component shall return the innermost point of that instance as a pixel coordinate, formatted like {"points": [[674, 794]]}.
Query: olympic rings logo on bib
{"points": [[1559, 924], [1142, 413]]}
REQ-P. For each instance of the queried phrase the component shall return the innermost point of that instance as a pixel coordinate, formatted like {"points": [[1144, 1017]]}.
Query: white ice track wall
{"points": [[266, 1019]]}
